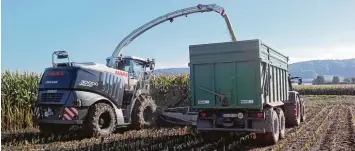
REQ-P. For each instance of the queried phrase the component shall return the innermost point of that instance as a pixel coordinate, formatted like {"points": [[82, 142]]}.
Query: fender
{"points": [[293, 97], [88, 99]]}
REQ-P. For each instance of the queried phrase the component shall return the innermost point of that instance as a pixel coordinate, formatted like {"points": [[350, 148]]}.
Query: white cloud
{"points": [[328, 51]]}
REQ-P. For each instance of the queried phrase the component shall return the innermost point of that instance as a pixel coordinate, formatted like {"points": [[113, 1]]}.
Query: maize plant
{"points": [[19, 91], [326, 89]]}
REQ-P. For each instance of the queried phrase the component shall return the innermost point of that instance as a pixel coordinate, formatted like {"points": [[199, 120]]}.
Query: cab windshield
{"points": [[133, 67]]}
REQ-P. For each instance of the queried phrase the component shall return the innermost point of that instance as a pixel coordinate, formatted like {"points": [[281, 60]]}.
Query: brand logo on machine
{"points": [[51, 91], [247, 101], [86, 83], [121, 73], [55, 73], [203, 102], [51, 82]]}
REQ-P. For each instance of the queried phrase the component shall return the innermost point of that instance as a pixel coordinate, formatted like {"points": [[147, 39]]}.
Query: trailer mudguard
{"points": [[292, 97]]}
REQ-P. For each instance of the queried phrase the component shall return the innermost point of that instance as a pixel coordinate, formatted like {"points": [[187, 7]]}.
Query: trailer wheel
{"points": [[101, 120], [274, 123], [282, 122], [144, 113], [293, 113]]}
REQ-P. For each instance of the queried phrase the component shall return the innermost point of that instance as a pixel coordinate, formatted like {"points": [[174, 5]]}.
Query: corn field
{"points": [[19, 91], [326, 89]]}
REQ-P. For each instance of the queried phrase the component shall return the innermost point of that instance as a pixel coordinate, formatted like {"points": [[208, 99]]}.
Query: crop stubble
{"points": [[329, 125]]}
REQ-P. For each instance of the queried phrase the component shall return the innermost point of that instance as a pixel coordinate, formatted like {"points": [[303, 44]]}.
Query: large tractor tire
{"points": [[293, 113], [144, 113], [53, 128], [282, 119], [101, 120]]}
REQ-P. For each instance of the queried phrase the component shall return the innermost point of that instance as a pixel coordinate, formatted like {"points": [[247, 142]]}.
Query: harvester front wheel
{"points": [[101, 120], [144, 113]]}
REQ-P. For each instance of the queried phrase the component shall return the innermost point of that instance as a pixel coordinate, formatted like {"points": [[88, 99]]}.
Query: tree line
{"points": [[320, 79]]}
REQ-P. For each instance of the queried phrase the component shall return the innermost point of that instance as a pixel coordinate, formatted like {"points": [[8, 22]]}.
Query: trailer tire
{"points": [[274, 123], [282, 122], [293, 114], [101, 120], [144, 113]]}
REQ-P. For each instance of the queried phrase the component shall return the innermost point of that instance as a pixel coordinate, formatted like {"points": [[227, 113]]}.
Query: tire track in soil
{"points": [[142, 139], [327, 140], [317, 140], [291, 137], [351, 126], [304, 137], [344, 137], [310, 114]]}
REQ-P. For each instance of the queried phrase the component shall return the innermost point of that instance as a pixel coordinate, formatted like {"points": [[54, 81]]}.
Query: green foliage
{"points": [[336, 80], [18, 93], [325, 89], [319, 80]]}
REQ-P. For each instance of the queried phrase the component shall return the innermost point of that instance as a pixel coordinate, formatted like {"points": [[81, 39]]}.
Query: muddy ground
{"points": [[329, 125]]}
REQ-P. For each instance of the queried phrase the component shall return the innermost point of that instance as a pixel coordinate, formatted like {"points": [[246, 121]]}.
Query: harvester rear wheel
{"points": [[101, 120], [144, 113]]}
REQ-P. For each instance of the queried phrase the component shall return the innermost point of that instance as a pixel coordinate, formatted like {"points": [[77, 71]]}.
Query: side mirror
{"points": [[119, 64], [152, 64]]}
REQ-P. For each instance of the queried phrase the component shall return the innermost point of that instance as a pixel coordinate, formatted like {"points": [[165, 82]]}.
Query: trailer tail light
{"points": [[260, 115], [203, 114], [256, 115]]}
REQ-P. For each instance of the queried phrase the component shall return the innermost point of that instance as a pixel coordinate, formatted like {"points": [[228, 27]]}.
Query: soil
{"points": [[330, 125]]}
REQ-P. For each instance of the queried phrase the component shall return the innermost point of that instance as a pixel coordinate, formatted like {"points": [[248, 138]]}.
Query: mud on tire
{"points": [[293, 113], [101, 120], [282, 119], [144, 113], [274, 123]]}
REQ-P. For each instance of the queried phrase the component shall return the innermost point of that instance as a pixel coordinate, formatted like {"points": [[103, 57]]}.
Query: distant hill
{"points": [[308, 70]]}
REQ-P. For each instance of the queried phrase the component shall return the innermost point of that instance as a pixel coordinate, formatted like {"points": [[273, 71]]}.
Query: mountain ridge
{"points": [[308, 70]]}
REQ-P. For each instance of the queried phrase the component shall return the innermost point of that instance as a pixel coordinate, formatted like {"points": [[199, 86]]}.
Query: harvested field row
{"points": [[322, 130]]}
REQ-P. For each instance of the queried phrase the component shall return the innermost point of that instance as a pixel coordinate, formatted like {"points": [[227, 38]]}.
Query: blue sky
{"points": [[90, 30]]}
